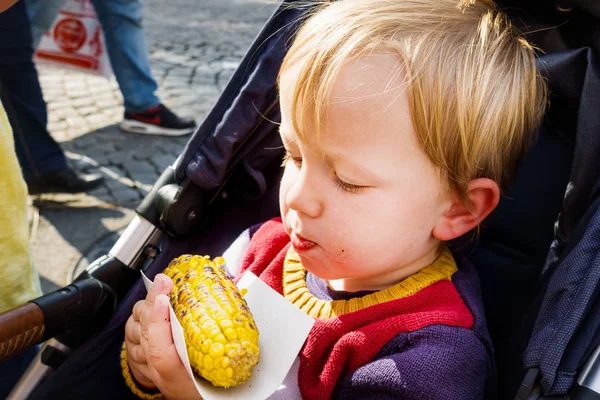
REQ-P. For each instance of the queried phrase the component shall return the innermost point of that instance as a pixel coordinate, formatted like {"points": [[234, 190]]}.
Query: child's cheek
{"points": [[284, 187]]}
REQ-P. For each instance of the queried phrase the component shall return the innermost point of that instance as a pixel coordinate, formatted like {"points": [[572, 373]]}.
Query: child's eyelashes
{"points": [[340, 184], [288, 157], [347, 187]]}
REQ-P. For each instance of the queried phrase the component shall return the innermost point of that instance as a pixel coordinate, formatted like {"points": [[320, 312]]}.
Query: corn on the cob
{"points": [[221, 336]]}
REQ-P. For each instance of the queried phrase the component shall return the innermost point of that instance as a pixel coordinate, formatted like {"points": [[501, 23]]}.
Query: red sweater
{"points": [[338, 346]]}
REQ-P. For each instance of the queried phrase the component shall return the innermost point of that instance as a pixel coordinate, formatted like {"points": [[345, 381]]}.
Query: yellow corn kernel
{"points": [[220, 333], [216, 350]]}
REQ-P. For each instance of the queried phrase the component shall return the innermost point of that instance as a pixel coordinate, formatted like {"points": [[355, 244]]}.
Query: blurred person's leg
{"points": [[21, 94], [127, 49], [42, 14], [42, 160], [126, 45]]}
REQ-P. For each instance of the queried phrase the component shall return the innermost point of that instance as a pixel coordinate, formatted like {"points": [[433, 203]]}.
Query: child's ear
{"points": [[459, 219]]}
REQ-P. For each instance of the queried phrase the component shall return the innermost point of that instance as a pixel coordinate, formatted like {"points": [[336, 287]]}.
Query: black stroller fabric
{"points": [[567, 323], [550, 323], [565, 315]]}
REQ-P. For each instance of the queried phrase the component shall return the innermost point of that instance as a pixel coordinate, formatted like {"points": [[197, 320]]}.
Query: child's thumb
{"points": [[168, 372], [159, 331]]}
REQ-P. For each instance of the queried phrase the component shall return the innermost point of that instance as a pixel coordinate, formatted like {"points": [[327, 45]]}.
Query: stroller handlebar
{"points": [[20, 328], [73, 306]]}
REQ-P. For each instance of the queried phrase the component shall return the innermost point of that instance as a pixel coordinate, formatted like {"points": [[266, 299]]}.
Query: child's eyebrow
{"points": [[352, 167]]}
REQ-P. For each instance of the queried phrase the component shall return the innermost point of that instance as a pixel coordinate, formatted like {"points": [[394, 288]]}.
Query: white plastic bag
{"points": [[75, 40]]}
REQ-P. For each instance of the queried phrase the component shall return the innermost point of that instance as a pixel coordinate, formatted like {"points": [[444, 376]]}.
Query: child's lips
{"points": [[301, 244]]}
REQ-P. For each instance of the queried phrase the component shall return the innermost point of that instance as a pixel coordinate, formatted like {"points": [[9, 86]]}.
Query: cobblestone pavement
{"points": [[194, 49]]}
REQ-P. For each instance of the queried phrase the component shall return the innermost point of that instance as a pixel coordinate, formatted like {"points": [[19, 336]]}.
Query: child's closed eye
{"points": [[339, 183], [287, 157], [347, 187]]}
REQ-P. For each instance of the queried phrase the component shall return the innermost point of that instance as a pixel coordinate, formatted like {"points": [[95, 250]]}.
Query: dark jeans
{"points": [[21, 95], [12, 369]]}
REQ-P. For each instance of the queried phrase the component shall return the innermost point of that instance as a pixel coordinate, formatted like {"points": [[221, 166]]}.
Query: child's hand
{"points": [[151, 353]]}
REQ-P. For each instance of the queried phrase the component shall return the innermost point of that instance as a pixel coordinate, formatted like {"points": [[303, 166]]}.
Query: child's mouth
{"points": [[301, 244]]}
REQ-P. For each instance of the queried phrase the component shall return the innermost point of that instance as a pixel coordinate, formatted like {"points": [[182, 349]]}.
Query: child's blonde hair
{"points": [[474, 92]]}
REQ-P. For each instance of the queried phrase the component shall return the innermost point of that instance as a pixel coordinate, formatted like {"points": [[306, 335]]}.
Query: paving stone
{"points": [[53, 93], [144, 190], [176, 83], [114, 110], [86, 141], [100, 149], [77, 131], [83, 163], [52, 117], [55, 105], [145, 152], [208, 91], [204, 79], [63, 113], [126, 195], [102, 190], [75, 85], [162, 161], [84, 101], [173, 146], [79, 94], [92, 80], [100, 89], [108, 103], [68, 146], [115, 158], [60, 135], [96, 120], [46, 78], [179, 72], [84, 111], [105, 197], [224, 76], [113, 171], [144, 178], [56, 126], [75, 121], [117, 184], [184, 100], [137, 167]]}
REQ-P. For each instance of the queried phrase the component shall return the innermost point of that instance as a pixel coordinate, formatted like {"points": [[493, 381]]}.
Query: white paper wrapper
{"points": [[282, 328]]}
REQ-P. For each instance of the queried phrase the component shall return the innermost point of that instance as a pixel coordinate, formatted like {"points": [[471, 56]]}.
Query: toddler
{"points": [[402, 121]]}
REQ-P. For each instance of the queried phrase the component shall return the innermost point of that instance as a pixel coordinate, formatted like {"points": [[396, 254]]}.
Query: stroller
{"points": [[538, 254]]}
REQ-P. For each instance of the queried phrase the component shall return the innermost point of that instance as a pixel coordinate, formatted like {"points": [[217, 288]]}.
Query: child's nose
{"points": [[304, 197]]}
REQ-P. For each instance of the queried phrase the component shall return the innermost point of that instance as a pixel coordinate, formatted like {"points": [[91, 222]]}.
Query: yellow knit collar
{"points": [[296, 291]]}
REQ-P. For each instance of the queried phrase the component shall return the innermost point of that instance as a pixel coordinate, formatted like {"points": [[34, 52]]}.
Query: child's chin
{"points": [[318, 270]]}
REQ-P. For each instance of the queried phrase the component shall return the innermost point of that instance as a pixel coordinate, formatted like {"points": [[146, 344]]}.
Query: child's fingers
{"points": [[133, 331], [136, 354], [162, 285], [161, 353], [141, 373], [137, 310]]}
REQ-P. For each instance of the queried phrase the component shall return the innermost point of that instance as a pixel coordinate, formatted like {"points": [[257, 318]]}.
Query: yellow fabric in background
{"points": [[19, 279]]}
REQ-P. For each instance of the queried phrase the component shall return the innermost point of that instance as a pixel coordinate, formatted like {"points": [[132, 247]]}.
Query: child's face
{"points": [[361, 207]]}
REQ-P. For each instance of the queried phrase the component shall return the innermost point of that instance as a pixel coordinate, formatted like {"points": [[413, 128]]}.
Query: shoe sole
{"points": [[133, 126]]}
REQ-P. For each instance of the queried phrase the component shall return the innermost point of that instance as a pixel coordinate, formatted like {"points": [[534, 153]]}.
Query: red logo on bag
{"points": [[70, 35]]}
